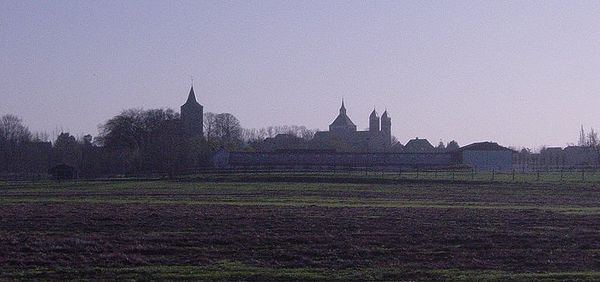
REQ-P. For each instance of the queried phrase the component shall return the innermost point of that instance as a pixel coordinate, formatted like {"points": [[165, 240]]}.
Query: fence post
{"points": [[561, 175]]}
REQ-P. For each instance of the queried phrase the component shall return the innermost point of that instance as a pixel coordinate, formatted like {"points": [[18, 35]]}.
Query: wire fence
{"points": [[585, 175], [462, 174]]}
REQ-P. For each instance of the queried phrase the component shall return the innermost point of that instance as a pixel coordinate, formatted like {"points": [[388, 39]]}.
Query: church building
{"points": [[343, 136], [192, 117]]}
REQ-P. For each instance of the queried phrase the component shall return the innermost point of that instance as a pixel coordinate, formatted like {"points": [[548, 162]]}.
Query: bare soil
{"points": [[46, 234]]}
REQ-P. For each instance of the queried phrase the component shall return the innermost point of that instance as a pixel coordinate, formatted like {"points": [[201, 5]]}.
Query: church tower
{"points": [[386, 127], [374, 121], [342, 122], [192, 116]]}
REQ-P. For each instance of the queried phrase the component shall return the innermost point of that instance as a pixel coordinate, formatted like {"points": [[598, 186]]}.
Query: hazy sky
{"points": [[522, 73]]}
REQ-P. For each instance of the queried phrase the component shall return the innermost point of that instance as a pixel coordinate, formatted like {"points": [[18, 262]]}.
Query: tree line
{"points": [[136, 141]]}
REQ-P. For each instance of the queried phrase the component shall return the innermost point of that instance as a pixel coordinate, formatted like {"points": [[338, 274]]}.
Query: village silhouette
{"points": [[323, 140], [139, 141]]}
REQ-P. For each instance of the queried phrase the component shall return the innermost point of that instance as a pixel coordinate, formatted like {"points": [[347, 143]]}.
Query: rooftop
{"points": [[484, 146]]}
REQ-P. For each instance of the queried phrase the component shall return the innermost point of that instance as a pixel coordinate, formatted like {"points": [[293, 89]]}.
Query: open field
{"points": [[299, 231]]}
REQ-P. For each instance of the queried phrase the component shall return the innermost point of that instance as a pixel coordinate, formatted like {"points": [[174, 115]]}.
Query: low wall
{"points": [[488, 160], [226, 159]]}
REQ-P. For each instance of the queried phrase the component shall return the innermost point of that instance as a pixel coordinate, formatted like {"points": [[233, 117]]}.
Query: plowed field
{"points": [[272, 231]]}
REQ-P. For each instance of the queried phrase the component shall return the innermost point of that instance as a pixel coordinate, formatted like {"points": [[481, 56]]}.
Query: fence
{"points": [[463, 174]]}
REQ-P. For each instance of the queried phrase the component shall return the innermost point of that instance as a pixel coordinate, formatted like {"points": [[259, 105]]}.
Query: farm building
{"points": [[329, 158], [480, 156], [486, 156], [418, 146]]}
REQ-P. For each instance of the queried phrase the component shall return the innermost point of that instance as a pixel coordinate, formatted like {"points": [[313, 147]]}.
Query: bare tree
{"points": [[14, 138], [299, 131], [594, 144], [441, 146], [307, 134], [253, 135], [228, 130], [452, 145], [135, 133], [67, 150], [41, 137], [13, 130], [210, 127], [582, 139], [592, 138], [271, 131]]}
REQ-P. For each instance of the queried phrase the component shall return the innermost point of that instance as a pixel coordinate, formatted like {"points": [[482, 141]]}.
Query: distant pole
{"points": [[513, 175], [561, 175], [583, 174], [493, 174]]}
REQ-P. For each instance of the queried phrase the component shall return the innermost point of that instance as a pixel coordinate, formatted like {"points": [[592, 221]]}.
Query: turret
{"points": [[374, 121], [386, 127], [192, 116]]}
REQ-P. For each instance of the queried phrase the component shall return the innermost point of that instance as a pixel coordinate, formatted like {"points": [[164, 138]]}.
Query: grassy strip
{"points": [[234, 271], [305, 195], [239, 189], [225, 271], [486, 275], [282, 202], [112, 186]]}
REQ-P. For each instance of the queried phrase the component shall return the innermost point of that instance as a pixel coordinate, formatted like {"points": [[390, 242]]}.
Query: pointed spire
{"points": [[191, 96], [373, 113], [385, 114], [343, 108]]}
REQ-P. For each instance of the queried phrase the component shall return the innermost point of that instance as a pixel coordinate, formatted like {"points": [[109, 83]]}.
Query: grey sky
{"points": [[523, 73]]}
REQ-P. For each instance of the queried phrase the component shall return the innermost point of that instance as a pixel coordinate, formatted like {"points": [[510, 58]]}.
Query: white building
{"points": [[487, 156]]}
